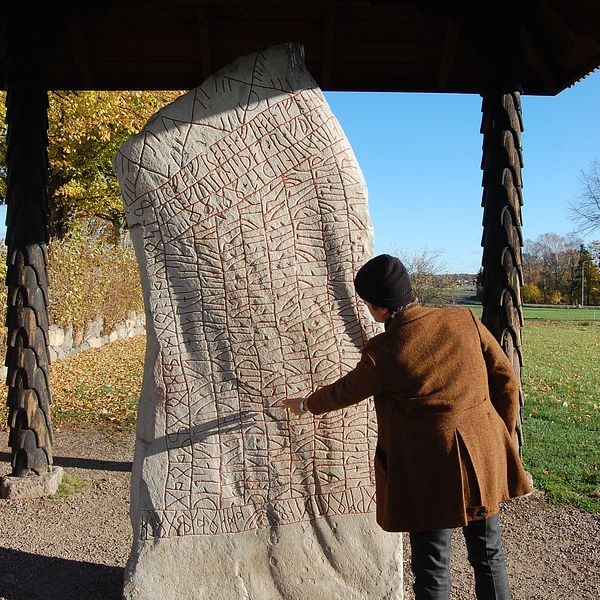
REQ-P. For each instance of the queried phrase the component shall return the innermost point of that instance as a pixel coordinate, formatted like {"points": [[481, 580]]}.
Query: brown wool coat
{"points": [[447, 402]]}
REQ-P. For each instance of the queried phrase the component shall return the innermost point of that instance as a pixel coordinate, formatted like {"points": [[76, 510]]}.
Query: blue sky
{"points": [[421, 154]]}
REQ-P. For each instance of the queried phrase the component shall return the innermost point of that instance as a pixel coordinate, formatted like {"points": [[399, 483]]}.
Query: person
{"points": [[447, 402]]}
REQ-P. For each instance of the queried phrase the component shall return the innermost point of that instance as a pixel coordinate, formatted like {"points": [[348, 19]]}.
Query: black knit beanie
{"points": [[383, 281]]}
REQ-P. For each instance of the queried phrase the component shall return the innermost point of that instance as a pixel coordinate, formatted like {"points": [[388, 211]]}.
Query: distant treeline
{"points": [[553, 267]]}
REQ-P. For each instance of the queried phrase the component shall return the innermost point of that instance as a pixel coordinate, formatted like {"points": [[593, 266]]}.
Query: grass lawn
{"points": [[547, 313], [561, 386], [560, 383], [543, 313]]}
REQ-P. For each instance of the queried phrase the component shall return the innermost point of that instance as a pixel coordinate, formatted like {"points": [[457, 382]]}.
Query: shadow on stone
{"points": [[26, 576], [201, 432]]}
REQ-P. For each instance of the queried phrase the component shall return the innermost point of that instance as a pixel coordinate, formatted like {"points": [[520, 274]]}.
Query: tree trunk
{"points": [[27, 357], [502, 237], [121, 232]]}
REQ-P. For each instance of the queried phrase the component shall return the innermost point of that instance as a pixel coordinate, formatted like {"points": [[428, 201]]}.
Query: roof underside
{"points": [[427, 46]]}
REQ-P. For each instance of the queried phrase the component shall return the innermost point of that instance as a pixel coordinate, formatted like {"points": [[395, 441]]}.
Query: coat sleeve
{"points": [[363, 381], [502, 380]]}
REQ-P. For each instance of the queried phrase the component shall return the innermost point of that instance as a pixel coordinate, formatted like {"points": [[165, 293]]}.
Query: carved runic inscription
{"points": [[254, 220]]}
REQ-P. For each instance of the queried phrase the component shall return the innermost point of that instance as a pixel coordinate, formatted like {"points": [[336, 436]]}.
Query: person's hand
{"points": [[296, 405]]}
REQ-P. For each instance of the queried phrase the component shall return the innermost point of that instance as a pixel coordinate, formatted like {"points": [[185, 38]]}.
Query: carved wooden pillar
{"points": [[27, 356], [502, 196], [502, 238]]}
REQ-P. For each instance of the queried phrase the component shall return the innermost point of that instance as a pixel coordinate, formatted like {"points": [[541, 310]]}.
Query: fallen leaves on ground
{"points": [[96, 386]]}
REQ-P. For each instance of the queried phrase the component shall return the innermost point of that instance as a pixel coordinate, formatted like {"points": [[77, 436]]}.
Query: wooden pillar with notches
{"points": [[502, 162], [27, 359]]}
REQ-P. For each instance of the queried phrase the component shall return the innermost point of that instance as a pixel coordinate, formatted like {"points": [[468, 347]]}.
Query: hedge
{"points": [[87, 279]]}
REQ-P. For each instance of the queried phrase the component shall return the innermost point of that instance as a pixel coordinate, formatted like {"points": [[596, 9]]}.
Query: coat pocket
{"points": [[483, 453], [471, 491]]}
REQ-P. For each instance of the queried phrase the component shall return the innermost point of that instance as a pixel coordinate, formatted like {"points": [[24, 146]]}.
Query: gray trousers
{"points": [[430, 561]]}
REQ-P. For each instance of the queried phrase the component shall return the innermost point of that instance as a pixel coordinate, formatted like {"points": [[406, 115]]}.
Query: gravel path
{"points": [[75, 547]]}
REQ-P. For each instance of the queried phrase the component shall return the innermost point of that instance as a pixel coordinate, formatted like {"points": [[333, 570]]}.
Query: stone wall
{"points": [[64, 342]]}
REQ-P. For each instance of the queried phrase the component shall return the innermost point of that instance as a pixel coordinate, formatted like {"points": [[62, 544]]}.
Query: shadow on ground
{"points": [[25, 576], [82, 463]]}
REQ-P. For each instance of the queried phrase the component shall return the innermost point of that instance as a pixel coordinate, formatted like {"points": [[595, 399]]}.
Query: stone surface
{"points": [[56, 335], [249, 217], [95, 342], [68, 342], [53, 353], [32, 486], [94, 328]]}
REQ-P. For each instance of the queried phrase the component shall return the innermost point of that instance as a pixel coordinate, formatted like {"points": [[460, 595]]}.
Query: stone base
{"points": [[346, 557], [32, 486]]}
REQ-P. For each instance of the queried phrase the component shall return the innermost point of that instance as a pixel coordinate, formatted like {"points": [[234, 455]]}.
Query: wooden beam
{"points": [[328, 46], [575, 23], [80, 52], [449, 52], [530, 45], [204, 41], [3, 52]]}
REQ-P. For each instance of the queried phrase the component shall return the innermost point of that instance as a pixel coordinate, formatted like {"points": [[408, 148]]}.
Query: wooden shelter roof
{"points": [[360, 45]]}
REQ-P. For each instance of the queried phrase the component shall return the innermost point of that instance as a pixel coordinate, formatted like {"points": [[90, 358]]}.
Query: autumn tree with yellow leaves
{"points": [[85, 130]]}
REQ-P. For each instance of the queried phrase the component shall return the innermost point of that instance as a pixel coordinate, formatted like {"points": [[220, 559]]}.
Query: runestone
{"points": [[249, 217]]}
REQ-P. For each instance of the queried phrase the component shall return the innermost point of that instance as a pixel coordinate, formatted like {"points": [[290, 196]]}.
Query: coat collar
{"points": [[407, 315]]}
